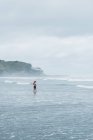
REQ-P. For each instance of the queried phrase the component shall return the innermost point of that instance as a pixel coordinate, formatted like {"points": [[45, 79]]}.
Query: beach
{"points": [[60, 110]]}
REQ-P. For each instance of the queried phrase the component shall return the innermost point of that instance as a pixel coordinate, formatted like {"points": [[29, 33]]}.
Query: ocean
{"points": [[62, 109]]}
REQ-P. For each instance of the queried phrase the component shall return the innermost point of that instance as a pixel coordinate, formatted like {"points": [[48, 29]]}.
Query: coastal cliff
{"points": [[17, 68]]}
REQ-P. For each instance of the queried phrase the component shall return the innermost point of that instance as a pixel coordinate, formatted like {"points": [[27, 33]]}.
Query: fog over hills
{"points": [[18, 68]]}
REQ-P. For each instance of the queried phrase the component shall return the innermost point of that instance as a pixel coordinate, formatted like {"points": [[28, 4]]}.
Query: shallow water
{"points": [[60, 110]]}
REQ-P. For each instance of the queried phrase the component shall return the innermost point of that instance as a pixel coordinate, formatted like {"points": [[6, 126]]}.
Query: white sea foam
{"points": [[85, 86], [78, 79], [49, 135], [68, 79], [55, 78], [8, 81], [45, 79], [23, 83]]}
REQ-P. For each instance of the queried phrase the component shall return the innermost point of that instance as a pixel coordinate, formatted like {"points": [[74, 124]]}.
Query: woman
{"points": [[34, 85]]}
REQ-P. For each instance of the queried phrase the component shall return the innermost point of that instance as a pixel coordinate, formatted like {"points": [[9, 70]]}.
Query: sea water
{"points": [[62, 109]]}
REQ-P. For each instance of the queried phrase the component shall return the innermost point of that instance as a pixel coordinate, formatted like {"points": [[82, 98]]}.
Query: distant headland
{"points": [[18, 68]]}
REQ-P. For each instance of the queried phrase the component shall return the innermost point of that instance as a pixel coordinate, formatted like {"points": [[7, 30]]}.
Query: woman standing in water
{"points": [[34, 86]]}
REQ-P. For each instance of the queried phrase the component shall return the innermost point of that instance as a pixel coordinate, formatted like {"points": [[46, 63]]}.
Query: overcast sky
{"points": [[56, 35]]}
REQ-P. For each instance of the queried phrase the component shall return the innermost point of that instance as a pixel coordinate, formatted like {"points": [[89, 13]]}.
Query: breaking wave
{"points": [[23, 83], [85, 86], [8, 81]]}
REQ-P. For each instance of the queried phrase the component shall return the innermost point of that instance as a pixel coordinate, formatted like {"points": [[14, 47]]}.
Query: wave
{"points": [[85, 86], [8, 81], [69, 79], [63, 79], [23, 83], [80, 80], [15, 82]]}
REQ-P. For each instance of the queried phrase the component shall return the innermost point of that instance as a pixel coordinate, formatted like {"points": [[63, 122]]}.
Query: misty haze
{"points": [[46, 70]]}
